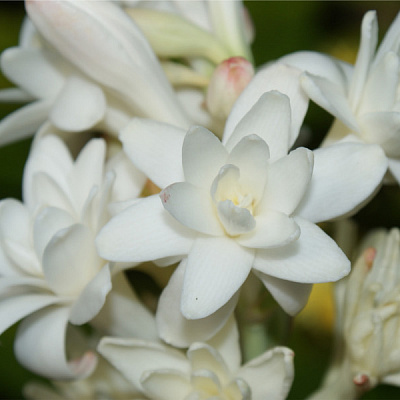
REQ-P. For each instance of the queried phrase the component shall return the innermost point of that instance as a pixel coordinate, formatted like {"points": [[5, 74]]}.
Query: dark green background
{"points": [[281, 27]]}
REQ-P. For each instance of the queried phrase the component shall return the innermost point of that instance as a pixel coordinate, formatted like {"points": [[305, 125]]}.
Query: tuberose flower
{"points": [[243, 204]]}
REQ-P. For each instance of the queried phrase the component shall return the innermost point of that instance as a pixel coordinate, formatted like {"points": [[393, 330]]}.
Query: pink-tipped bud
{"points": [[227, 82]]}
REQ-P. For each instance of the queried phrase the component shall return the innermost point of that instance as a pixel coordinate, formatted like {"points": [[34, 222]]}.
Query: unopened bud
{"points": [[227, 82]]}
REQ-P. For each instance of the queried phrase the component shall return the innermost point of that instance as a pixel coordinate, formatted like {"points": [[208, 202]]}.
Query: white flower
{"points": [[50, 272], [209, 370], [364, 98], [244, 204]]}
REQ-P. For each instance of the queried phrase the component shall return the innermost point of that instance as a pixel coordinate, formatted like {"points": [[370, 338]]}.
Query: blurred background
{"points": [[281, 27]]}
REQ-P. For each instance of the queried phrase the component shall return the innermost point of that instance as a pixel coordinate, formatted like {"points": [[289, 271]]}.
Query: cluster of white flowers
{"points": [[158, 146]]}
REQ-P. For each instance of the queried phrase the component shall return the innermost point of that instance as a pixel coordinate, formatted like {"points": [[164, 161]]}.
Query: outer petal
{"points": [[14, 308], [206, 286], [313, 258], [345, 176], [278, 77], [92, 298], [394, 167], [291, 296], [40, 346], [79, 106], [202, 156], [331, 97], [156, 149], [143, 232], [133, 357], [270, 119], [270, 375], [174, 328], [287, 181], [123, 314]]}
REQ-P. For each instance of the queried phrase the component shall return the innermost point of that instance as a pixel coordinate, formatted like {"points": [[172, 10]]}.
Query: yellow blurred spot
{"points": [[319, 313]]}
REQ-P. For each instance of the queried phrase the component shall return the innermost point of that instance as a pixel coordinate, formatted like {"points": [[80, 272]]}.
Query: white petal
{"points": [[14, 308], [156, 149], [174, 328], [345, 176], [24, 122], [30, 69], [382, 128], [144, 231], [236, 220], [133, 357], [123, 314], [312, 258], [278, 77], [394, 167], [40, 346], [380, 89], [14, 95], [216, 269], [291, 296], [287, 182], [270, 119], [92, 298], [320, 64], [251, 156], [79, 106], [369, 39], [273, 229], [202, 156], [166, 384], [270, 375], [331, 97], [70, 260]]}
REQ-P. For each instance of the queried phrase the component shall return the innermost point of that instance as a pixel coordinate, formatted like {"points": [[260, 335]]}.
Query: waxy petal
{"points": [[270, 375], [133, 357], [43, 331], [142, 232], [92, 298], [174, 328], [275, 77], [394, 168], [206, 286], [270, 119], [336, 191], [202, 156], [79, 106], [156, 149], [287, 181], [70, 260], [272, 229], [236, 220], [291, 296], [312, 258]]}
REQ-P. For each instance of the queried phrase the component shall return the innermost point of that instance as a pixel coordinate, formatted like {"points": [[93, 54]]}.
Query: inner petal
{"points": [[235, 219]]}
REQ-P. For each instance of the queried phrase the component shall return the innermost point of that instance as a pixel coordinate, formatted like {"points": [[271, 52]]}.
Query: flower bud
{"points": [[227, 82]]}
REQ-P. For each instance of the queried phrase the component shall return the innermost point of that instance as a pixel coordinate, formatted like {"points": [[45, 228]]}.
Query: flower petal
{"points": [[287, 181], [40, 346], [79, 106], [92, 298], [156, 149], [312, 258], [291, 296], [345, 176], [211, 262], [142, 232], [270, 119], [166, 384], [276, 76], [329, 96], [202, 156], [133, 357], [273, 229], [70, 260], [270, 375], [174, 328], [394, 167]]}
